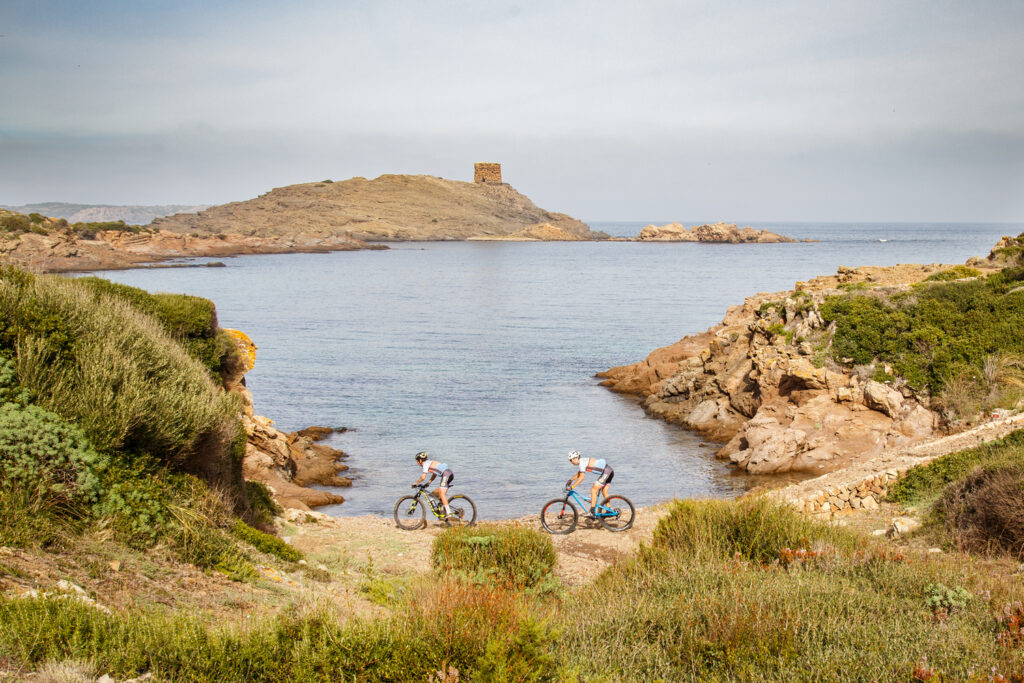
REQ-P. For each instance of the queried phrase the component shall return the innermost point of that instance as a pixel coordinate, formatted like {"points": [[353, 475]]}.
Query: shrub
{"points": [[509, 556], [754, 529], [925, 482], [934, 334], [88, 230], [15, 223], [941, 599], [955, 273], [189, 320], [108, 368], [39, 449], [984, 512], [263, 506], [265, 542]]}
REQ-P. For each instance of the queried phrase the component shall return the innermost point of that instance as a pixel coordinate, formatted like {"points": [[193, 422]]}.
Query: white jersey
{"points": [[592, 465], [434, 467]]}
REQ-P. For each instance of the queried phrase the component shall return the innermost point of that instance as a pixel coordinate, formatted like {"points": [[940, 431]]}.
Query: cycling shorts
{"points": [[606, 476], [446, 479]]}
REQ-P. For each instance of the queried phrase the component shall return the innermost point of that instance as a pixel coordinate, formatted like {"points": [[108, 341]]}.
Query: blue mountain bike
{"points": [[559, 516]]}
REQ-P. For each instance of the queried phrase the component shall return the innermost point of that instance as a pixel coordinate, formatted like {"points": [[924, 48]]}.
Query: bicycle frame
{"points": [[599, 511], [435, 508]]}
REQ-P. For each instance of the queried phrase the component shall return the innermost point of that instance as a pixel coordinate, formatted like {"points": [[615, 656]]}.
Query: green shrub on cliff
{"points": [[95, 360], [189, 320], [934, 334]]}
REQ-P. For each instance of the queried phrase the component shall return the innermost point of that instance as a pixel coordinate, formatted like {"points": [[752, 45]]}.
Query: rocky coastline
{"points": [[59, 249], [757, 383], [288, 464]]}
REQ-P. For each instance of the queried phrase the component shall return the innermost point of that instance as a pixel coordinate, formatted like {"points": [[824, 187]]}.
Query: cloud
{"points": [[218, 102]]}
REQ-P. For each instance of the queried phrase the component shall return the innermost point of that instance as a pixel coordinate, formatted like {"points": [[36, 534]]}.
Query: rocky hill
{"points": [[133, 215], [391, 207]]}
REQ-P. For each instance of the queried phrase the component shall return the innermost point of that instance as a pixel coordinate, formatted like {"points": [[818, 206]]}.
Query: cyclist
{"points": [[591, 465], [436, 468]]}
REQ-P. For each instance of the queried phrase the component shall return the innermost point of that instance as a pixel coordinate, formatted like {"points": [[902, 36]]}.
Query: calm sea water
{"points": [[483, 353]]}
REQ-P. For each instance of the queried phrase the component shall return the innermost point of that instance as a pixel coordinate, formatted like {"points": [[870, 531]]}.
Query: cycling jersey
{"points": [[434, 467], [592, 465]]}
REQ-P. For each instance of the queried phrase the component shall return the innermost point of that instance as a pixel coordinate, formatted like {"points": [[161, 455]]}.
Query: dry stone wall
{"points": [[865, 485], [487, 173]]}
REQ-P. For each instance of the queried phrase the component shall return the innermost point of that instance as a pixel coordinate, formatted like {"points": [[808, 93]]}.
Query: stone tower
{"points": [[484, 172]]}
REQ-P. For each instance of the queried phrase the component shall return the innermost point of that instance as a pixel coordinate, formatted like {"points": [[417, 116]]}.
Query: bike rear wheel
{"points": [[559, 516], [410, 513], [622, 513], [463, 511]]}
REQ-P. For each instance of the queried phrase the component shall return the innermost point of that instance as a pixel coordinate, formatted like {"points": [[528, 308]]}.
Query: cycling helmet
{"points": [[422, 455], [574, 455]]}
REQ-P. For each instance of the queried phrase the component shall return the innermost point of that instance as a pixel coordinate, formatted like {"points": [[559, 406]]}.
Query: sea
{"points": [[483, 354]]}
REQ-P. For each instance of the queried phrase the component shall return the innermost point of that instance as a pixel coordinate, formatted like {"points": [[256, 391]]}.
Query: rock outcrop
{"points": [[287, 463], [715, 232], [56, 248], [388, 208], [757, 383]]}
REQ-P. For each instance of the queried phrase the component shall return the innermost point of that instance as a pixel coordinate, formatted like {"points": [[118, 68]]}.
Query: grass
{"points": [[716, 596], [923, 484], [725, 590], [513, 557]]}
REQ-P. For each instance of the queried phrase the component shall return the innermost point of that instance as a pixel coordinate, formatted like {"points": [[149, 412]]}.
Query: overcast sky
{"points": [[646, 111]]}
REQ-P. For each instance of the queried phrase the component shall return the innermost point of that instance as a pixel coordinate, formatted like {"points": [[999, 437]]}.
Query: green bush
{"points": [[954, 273], [509, 556], [37, 447], [113, 371], [15, 223], [754, 529], [934, 334], [189, 320], [924, 483], [263, 506], [88, 230], [265, 542]]}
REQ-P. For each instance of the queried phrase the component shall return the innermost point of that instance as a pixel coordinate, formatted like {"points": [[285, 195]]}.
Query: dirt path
{"points": [[376, 544]]}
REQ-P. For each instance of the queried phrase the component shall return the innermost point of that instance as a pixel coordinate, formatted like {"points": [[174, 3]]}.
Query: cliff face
{"points": [[391, 207], [287, 463], [758, 383]]}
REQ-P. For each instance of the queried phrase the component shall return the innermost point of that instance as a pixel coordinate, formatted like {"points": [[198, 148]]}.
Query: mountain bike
{"points": [[411, 511], [559, 516]]}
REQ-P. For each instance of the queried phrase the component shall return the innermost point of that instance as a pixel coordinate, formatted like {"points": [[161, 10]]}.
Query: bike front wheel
{"points": [[558, 516], [410, 513], [463, 511], [620, 516]]}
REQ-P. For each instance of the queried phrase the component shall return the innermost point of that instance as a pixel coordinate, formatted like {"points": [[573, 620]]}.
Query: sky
{"points": [[858, 110]]}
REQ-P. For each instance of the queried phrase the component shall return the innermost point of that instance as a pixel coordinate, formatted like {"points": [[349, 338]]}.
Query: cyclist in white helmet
{"points": [[436, 468], [596, 465]]}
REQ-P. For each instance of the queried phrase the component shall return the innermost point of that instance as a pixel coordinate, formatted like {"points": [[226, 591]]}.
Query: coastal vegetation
{"points": [[118, 439], [112, 412], [955, 336], [725, 590]]}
